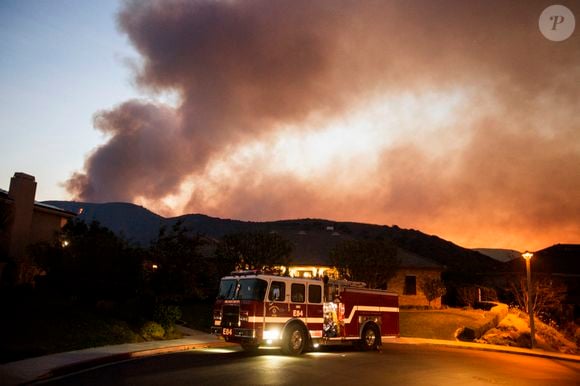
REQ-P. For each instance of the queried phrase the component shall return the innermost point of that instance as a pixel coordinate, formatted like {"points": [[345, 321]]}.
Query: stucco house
{"points": [[413, 271], [24, 222]]}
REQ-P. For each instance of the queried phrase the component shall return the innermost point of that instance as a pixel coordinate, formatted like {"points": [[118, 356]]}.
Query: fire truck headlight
{"points": [[273, 334]]}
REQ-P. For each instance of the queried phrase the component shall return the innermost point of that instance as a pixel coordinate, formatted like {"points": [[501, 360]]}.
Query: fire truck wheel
{"points": [[370, 337], [294, 340]]}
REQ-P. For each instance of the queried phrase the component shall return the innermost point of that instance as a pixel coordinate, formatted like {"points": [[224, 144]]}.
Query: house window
{"points": [[410, 285]]}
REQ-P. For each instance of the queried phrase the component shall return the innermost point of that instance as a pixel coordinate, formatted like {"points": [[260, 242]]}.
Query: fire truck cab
{"points": [[257, 309]]}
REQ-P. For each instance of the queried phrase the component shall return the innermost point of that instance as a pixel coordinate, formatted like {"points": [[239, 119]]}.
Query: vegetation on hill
{"points": [[454, 257]]}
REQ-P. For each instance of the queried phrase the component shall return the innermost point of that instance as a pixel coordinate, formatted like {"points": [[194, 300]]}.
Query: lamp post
{"points": [[528, 256]]}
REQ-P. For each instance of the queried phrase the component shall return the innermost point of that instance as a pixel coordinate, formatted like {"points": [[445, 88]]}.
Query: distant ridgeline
{"points": [[312, 238]]}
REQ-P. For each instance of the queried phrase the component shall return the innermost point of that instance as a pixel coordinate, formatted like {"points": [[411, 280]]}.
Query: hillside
{"points": [[559, 258], [134, 223], [562, 259], [312, 238]]}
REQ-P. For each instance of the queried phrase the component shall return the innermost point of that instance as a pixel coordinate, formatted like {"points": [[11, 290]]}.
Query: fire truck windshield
{"points": [[243, 289], [252, 289], [228, 289]]}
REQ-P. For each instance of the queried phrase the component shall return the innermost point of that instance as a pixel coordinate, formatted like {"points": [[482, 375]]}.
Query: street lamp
{"points": [[528, 256]]}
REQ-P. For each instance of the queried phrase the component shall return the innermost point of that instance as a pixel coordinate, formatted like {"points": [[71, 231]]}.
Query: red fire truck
{"points": [[257, 309]]}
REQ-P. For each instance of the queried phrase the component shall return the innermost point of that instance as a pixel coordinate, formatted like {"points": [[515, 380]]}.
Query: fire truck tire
{"points": [[295, 340], [371, 337]]}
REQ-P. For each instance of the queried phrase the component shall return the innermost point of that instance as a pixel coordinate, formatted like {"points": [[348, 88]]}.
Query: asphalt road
{"points": [[394, 365]]}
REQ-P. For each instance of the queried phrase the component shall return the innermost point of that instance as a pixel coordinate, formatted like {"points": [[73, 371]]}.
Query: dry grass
{"points": [[514, 330], [441, 324]]}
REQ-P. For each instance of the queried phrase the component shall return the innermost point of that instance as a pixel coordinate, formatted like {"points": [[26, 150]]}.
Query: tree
{"points": [[182, 270], [433, 288], [372, 261], [548, 295], [253, 250], [89, 261]]}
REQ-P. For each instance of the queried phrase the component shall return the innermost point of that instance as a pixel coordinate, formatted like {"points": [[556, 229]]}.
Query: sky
{"points": [[459, 119]]}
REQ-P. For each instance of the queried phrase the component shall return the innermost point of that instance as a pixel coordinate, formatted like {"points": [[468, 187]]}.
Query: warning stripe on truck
{"points": [[353, 311], [281, 319], [369, 308]]}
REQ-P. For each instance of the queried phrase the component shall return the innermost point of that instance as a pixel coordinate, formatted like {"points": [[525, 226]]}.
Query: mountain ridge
{"points": [[312, 238]]}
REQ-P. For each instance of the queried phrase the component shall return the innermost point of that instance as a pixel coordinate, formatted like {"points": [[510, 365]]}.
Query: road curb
{"points": [[491, 348], [115, 358]]}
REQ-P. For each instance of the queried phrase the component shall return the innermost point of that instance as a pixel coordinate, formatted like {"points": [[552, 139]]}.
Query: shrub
{"points": [[465, 334], [468, 296], [166, 315], [433, 289], [152, 330]]}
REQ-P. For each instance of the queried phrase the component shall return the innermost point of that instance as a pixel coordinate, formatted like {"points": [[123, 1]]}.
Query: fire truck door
{"points": [[277, 309], [298, 301], [315, 310]]}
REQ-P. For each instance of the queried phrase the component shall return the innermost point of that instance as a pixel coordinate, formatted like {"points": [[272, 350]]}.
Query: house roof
{"points": [[5, 196], [53, 209]]}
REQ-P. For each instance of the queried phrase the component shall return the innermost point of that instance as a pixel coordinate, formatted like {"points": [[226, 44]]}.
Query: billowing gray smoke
{"points": [[243, 69]]}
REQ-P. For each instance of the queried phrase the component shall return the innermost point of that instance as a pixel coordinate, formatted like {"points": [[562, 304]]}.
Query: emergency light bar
{"points": [[246, 272]]}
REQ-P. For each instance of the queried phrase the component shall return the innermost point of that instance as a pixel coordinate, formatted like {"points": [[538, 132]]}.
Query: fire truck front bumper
{"points": [[234, 332]]}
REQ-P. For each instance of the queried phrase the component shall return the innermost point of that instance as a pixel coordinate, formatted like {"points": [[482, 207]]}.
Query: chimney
{"points": [[22, 191]]}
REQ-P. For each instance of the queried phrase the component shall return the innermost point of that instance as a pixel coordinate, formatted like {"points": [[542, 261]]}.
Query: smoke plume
{"points": [[462, 117]]}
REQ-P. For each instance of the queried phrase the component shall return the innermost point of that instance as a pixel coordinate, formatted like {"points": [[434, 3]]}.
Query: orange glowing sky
{"points": [[456, 119]]}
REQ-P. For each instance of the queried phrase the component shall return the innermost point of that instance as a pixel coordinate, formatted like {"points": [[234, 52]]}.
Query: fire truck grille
{"points": [[230, 316]]}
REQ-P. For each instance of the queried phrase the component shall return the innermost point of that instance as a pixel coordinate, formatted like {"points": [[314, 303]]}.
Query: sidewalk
{"points": [[35, 369]]}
